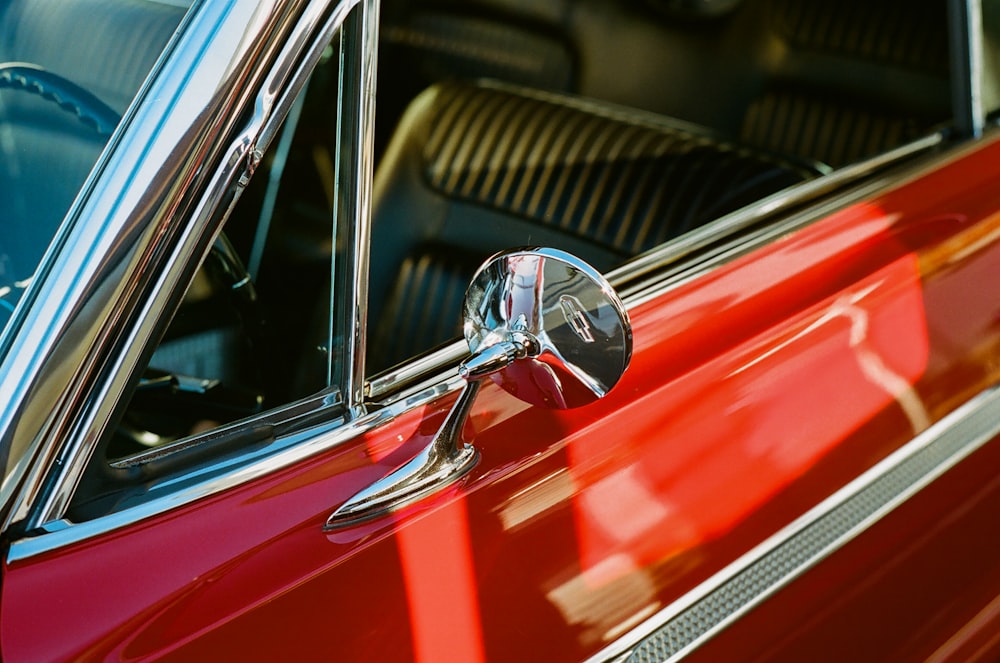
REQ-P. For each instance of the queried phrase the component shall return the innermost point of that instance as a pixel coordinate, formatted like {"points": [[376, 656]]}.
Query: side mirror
{"points": [[542, 324], [546, 327]]}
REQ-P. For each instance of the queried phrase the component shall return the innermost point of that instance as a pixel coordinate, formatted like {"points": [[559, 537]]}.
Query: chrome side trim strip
{"points": [[741, 219], [696, 617]]}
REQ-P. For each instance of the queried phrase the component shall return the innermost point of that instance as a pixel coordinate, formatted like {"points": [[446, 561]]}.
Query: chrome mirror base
{"points": [[441, 463]]}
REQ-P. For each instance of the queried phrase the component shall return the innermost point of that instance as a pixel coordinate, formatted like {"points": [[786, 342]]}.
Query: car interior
{"points": [[607, 128], [601, 127], [57, 109]]}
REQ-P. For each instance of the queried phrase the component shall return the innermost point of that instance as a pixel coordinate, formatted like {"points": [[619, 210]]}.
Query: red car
{"points": [[614, 331]]}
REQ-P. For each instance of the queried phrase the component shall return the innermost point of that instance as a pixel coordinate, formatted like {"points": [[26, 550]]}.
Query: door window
{"points": [[262, 343]]}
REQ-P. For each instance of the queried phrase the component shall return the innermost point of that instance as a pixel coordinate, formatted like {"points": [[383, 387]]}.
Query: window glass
{"points": [[991, 55], [255, 329], [70, 69], [260, 332]]}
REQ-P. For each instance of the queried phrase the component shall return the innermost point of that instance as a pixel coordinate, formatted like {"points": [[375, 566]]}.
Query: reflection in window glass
{"points": [[260, 325], [93, 60], [991, 56]]}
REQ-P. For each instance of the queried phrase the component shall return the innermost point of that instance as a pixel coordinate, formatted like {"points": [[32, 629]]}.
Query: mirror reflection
{"points": [[565, 327]]}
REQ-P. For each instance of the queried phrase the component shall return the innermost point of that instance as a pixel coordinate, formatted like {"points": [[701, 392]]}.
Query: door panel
{"points": [[754, 392], [922, 584]]}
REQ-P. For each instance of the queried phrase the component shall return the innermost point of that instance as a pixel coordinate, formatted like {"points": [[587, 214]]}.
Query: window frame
{"points": [[122, 260]]}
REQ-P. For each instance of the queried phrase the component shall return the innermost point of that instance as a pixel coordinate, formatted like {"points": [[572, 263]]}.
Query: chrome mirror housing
{"points": [[546, 327]]}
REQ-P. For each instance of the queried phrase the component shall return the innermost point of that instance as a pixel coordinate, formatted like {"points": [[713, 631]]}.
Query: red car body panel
{"points": [[755, 391], [921, 585]]}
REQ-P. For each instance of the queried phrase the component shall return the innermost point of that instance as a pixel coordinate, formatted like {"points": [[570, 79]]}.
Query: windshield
{"points": [[68, 71]]}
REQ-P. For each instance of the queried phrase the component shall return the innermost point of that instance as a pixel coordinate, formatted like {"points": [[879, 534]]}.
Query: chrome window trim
{"points": [[360, 231], [412, 371], [965, 31], [183, 121], [690, 621], [732, 224]]}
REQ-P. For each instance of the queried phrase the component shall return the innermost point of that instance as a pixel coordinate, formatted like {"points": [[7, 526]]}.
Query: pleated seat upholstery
{"points": [[476, 168], [896, 53]]}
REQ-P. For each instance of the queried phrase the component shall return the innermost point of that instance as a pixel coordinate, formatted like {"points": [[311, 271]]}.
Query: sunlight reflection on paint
{"points": [[738, 430], [439, 573], [603, 613]]}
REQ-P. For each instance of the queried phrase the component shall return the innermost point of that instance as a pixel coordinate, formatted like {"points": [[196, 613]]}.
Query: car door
{"points": [[776, 373]]}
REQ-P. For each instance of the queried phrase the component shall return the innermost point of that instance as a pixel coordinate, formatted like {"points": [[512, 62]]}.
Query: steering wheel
{"points": [[69, 96], [28, 233], [158, 391]]}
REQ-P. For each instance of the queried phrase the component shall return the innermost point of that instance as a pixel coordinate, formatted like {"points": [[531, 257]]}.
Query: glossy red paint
{"points": [[828, 349], [922, 584], [752, 422], [439, 579]]}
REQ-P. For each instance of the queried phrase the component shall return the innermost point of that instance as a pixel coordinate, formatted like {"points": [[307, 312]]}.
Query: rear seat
{"points": [[476, 168], [853, 79]]}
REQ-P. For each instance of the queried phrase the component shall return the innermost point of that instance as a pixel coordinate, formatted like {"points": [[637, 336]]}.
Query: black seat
{"points": [[476, 168], [854, 78]]}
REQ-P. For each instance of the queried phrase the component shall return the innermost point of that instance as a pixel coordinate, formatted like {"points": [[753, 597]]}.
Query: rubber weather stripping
{"points": [[691, 621]]}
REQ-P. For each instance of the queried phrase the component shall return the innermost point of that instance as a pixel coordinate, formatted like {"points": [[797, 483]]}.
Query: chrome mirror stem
{"points": [[442, 462]]}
